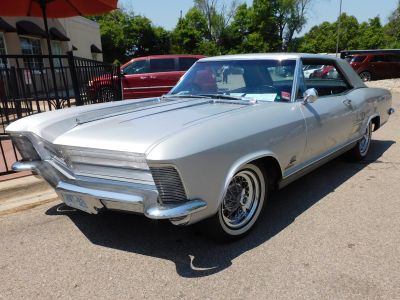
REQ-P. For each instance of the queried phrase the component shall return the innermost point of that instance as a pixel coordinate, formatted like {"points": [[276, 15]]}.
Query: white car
{"points": [[310, 69]]}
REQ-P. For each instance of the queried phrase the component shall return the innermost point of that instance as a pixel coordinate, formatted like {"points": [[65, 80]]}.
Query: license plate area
{"points": [[86, 204]]}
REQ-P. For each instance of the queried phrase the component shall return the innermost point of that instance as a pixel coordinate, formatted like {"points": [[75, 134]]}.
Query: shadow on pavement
{"points": [[197, 256]]}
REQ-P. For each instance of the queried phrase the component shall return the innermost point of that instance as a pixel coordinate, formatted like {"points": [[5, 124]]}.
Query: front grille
{"points": [[169, 184]]}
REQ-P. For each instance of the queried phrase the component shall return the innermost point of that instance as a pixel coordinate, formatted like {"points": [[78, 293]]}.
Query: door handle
{"points": [[347, 102], [153, 77], [143, 77]]}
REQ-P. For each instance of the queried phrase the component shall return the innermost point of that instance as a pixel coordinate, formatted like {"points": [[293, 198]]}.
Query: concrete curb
{"points": [[24, 193]]}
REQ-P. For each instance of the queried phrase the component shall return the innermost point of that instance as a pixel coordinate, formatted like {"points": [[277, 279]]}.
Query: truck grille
{"points": [[169, 184]]}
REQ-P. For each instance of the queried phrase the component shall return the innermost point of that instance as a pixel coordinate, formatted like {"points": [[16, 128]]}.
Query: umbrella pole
{"points": [[53, 75]]}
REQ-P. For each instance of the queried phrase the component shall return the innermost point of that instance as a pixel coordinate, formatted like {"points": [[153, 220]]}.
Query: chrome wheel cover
{"points": [[365, 141], [241, 200]]}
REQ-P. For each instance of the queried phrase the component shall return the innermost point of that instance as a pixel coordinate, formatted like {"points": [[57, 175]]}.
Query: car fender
{"points": [[235, 167]]}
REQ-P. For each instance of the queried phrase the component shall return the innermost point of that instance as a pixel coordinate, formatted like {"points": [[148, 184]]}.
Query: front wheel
{"points": [[365, 76], [360, 150], [241, 206]]}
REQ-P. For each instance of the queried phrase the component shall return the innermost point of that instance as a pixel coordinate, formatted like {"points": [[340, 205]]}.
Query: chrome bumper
{"points": [[112, 194]]}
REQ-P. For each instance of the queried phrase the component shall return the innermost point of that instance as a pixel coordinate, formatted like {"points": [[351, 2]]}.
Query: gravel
{"points": [[391, 84]]}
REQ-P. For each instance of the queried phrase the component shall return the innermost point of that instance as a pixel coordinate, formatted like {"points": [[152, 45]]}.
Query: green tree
{"points": [[190, 32], [371, 34], [392, 29], [322, 38], [125, 35]]}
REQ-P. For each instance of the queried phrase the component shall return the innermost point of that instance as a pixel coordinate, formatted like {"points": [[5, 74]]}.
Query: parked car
{"points": [[375, 66], [310, 69], [153, 76], [150, 76], [209, 150], [320, 72]]}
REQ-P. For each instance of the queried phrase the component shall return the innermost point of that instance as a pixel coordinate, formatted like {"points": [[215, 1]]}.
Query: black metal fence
{"points": [[28, 86]]}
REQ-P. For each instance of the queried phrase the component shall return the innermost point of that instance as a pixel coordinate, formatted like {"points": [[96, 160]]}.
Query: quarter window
{"points": [[186, 62], [393, 58], [162, 65], [378, 58], [327, 80]]}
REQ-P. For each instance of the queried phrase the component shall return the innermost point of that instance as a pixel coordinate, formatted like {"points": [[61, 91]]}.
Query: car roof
{"points": [[279, 56]]}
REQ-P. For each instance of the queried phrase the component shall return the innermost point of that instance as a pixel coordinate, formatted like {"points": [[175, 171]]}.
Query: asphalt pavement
{"points": [[334, 234]]}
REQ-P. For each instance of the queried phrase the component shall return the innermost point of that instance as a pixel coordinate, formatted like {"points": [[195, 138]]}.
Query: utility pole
{"points": [[338, 29]]}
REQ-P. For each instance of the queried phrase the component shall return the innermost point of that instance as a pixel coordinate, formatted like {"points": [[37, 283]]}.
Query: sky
{"points": [[166, 13]]}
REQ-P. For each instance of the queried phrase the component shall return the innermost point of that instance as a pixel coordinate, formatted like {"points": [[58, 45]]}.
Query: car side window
{"points": [[327, 80], [137, 67], [393, 58], [377, 58], [186, 62], [162, 65]]}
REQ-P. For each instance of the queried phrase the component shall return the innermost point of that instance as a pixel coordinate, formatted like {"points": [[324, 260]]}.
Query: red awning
{"points": [[57, 8]]}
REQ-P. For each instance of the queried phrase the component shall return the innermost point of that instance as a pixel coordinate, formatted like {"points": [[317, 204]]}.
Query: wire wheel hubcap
{"points": [[365, 141], [241, 200]]}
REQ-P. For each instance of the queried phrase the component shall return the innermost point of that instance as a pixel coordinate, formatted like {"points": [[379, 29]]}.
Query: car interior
{"points": [[330, 83]]}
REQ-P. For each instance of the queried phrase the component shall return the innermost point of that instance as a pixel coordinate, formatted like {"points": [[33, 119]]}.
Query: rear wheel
{"points": [[365, 76], [105, 94], [360, 150], [241, 205]]}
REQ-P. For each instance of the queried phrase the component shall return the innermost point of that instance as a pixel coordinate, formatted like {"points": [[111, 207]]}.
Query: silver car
{"points": [[211, 150]]}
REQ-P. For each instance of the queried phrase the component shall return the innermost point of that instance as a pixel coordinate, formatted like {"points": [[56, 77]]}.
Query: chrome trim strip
{"points": [[168, 211], [68, 188], [326, 155], [149, 87], [113, 195], [20, 166]]}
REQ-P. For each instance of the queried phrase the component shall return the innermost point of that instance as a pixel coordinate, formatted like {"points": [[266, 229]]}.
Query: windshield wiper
{"points": [[222, 96], [183, 96]]}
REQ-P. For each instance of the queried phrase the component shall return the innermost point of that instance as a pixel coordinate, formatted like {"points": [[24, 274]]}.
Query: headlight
{"points": [[90, 83], [25, 148]]}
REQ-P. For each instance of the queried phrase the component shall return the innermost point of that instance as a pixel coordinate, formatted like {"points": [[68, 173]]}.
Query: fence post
{"points": [[74, 78], [119, 82]]}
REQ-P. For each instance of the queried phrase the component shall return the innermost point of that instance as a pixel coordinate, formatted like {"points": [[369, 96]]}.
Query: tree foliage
{"points": [[211, 27]]}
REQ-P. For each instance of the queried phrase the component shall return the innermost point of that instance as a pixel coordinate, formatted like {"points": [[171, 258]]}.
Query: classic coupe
{"points": [[232, 130]]}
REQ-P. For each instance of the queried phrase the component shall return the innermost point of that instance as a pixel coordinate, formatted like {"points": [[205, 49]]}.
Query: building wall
{"points": [[82, 33]]}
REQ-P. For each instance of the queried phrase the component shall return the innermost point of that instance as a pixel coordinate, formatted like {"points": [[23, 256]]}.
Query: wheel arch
{"points": [[266, 159]]}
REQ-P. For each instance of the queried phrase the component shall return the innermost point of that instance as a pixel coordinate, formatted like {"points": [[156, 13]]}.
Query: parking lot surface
{"points": [[334, 234]]}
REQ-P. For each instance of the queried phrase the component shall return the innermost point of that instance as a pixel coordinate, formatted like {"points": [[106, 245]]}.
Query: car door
{"points": [[379, 67], [135, 79], [163, 76], [393, 60], [329, 119]]}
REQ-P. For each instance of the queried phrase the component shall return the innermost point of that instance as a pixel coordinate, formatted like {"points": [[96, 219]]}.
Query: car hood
{"points": [[137, 126]]}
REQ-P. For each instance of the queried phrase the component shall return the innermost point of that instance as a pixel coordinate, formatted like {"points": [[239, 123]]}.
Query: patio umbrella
{"points": [[56, 9]]}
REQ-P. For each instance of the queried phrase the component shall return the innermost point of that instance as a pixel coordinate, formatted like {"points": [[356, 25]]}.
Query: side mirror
{"points": [[310, 96], [122, 73]]}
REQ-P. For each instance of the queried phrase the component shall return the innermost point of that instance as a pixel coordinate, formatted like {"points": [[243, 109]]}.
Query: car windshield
{"points": [[263, 80]]}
